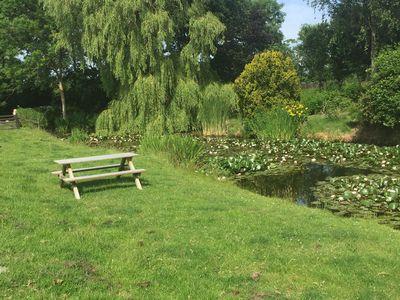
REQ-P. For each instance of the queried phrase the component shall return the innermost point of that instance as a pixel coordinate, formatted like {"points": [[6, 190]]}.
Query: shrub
{"points": [[352, 88], [60, 126], [269, 80], [78, 136], [272, 124], [180, 150], [217, 104], [381, 101], [312, 99], [34, 117], [334, 103]]}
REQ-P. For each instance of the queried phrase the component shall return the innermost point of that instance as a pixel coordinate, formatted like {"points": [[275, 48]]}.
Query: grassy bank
{"points": [[320, 126], [183, 236]]}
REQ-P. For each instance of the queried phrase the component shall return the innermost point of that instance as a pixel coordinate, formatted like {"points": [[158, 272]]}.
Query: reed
{"points": [[180, 150], [273, 124], [218, 104]]}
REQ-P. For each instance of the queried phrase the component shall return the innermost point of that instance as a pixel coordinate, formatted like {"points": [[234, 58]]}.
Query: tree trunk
{"points": [[374, 42], [62, 96], [368, 6]]}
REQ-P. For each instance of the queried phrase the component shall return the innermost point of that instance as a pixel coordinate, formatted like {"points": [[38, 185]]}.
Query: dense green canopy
{"points": [[149, 46]]}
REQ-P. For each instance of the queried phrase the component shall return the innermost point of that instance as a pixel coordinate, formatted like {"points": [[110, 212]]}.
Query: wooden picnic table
{"points": [[125, 167]]}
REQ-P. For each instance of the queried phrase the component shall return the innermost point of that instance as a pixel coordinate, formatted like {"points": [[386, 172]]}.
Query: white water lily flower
{"points": [[341, 198], [313, 160]]}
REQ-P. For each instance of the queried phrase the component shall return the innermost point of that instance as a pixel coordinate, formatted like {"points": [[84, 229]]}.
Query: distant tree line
{"points": [[349, 39], [82, 54]]}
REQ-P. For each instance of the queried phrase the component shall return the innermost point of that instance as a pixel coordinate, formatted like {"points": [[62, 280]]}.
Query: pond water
{"points": [[296, 185]]}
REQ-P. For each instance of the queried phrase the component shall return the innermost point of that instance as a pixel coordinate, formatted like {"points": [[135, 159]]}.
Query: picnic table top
{"points": [[94, 158]]}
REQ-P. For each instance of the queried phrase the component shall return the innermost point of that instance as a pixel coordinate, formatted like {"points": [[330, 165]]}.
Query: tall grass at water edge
{"points": [[180, 150], [273, 124]]}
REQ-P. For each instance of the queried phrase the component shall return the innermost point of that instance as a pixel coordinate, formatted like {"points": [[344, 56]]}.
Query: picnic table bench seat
{"points": [[125, 167]]}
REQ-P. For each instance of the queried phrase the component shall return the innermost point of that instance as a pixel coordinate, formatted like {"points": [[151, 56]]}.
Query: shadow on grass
{"points": [[102, 185]]}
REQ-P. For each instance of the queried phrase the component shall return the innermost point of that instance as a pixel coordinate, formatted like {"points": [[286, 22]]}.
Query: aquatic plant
{"points": [[365, 196], [277, 123], [180, 150], [301, 151], [217, 104]]}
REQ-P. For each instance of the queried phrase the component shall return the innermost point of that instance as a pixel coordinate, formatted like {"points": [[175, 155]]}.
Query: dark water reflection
{"points": [[296, 185]]}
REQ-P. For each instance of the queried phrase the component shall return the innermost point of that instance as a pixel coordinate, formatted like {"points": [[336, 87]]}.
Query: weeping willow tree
{"points": [[158, 50]]}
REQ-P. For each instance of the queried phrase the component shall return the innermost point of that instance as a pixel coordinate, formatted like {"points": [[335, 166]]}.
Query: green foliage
{"points": [[381, 101], [360, 29], [20, 21], [34, 117], [251, 27], [273, 124], [373, 195], [78, 136], [334, 103], [239, 164], [352, 88], [180, 150], [331, 102], [269, 80], [235, 127], [313, 99], [184, 108], [160, 55], [61, 127], [105, 123], [320, 125], [217, 104], [314, 53], [47, 117], [271, 154]]}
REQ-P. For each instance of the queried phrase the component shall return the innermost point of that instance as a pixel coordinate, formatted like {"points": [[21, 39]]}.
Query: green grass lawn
{"points": [[183, 236], [327, 127]]}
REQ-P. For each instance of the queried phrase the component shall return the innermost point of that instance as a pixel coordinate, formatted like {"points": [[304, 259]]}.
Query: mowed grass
{"points": [[321, 126], [183, 236]]}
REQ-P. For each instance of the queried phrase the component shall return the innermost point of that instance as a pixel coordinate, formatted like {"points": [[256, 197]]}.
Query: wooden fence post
{"points": [[17, 122]]}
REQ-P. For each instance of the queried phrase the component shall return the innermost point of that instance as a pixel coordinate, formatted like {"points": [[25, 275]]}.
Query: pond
{"points": [[298, 184], [348, 179]]}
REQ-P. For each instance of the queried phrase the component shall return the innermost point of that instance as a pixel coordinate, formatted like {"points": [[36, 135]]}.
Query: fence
{"points": [[9, 121]]}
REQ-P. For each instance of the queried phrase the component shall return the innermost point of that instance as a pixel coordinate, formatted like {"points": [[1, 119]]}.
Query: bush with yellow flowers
{"points": [[270, 80], [296, 110]]}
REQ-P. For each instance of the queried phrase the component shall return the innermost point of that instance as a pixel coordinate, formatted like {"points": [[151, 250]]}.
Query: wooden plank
{"points": [[104, 175], [73, 182], [57, 173], [132, 168], [94, 158], [122, 166]]}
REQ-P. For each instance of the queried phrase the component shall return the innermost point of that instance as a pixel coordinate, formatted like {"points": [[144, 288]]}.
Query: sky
{"points": [[297, 14]]}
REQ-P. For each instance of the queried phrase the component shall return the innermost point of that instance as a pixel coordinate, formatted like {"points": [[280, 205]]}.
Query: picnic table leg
{"points": [[62, 175], [121, 166], [74, 186], [136, 176]]}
